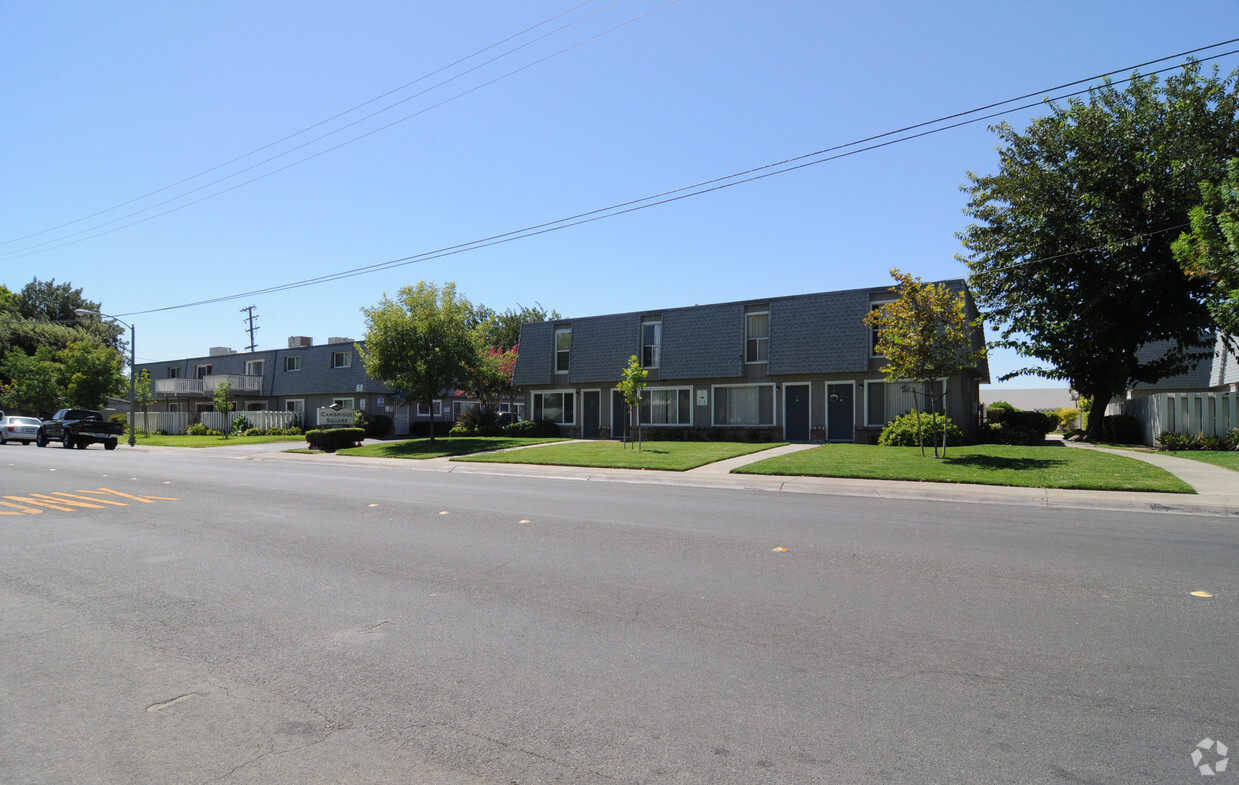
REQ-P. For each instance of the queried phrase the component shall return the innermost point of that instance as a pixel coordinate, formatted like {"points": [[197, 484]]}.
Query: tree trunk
{"points": [[1095, 432]]}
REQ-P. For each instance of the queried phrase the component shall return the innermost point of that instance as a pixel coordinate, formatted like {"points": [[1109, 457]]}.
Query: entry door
{"points": [[591, 404], [796, 412], [400, 425], [839, 413], [619, 416]]}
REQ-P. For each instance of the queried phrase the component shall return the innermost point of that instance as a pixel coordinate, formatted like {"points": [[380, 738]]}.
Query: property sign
{"points": [[335, 418]]}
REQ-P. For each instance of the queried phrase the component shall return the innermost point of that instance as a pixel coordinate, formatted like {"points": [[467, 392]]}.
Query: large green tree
{"points": [[924, 335], [31, 383], [504, 329], [1211, 250], [89, 374], [421, 343], [1070, 256]]}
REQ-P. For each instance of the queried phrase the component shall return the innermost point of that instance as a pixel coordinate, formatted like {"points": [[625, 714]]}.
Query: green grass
{"points": [[1049, 466], [664, 456], [443, 447], [1228, 459], [163, 440]]}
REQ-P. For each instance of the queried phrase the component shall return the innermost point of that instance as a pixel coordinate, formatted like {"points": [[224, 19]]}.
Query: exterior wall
{"points": [[818, 340]]}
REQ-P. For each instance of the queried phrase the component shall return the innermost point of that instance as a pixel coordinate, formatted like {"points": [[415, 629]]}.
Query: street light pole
{"points": [[132, 366]]}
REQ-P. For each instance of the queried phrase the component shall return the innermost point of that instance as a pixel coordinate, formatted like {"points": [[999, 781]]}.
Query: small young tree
{"points": [[630, 386], [924, 336], [143, 398], [223, 403]]}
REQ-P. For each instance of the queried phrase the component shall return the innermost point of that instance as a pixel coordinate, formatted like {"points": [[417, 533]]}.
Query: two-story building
{"points": [[800, 368], [301, 378]]}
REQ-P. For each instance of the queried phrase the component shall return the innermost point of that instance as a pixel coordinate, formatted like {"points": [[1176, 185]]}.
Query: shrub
{"points": [[241, 424], [378, 426], [532, 429], [459, 431], [254, 432], [997, 410], [422, 429], [1212, 443], [1121, 428], [1067, 418], [121, 418], [482, 420], [197, 429], [1232, 439], [332, 439], [1173, 442], [902, 431]]}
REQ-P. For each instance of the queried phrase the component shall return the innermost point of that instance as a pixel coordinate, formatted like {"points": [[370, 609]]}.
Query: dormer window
{"points": [[757, 337], [563, 345]]}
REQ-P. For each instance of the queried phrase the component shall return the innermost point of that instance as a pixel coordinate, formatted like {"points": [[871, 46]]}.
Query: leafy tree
{"points": [[490, 374], [1070, 256], [89, 374], [421, 343], [1211, 251], [504, 329], [631, 386], [924, 335], [223, 403], [35, 382]]}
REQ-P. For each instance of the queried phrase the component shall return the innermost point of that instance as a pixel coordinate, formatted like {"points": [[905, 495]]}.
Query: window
{"points": [[203, 371], [757, 337], [295, 405], [874, 333], [437, 408], [345, 403], [174, 373], [175, 406], [254, 367], [563, 343], [875, 403], [341, 359], [750, 404], [292, 362], [651, 344], [255, 406], [667, 406], [555, 406]]}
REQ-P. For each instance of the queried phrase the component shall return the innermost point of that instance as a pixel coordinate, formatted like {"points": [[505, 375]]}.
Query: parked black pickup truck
{"points": [[79, 428]]}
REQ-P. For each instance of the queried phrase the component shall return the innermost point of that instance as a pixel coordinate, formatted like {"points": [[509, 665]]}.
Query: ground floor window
{"points": [[204, 407], [294, 405], [748, 404], [436, 407], [255, 406], [875, 403], [558, 407], [667, 406], [175, 406], [344, 403]]}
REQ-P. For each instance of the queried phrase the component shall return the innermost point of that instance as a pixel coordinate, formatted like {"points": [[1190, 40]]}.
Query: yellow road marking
{"points": [[49, 505], [89, 505], [87, 498]]}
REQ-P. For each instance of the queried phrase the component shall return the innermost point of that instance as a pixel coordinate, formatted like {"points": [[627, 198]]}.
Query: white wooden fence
{"points": [[177, 422], [1210, 414]]}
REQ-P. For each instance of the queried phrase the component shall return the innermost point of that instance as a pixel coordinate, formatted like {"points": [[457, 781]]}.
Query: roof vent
{"points": [[219, 351], [299, 341], [339, 340]]}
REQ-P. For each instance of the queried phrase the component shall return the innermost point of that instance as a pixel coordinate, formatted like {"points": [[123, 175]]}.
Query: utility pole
{"points": [[249, 309]]}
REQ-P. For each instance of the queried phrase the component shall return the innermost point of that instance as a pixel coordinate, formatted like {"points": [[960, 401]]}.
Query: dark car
{"points": [[14, 428]]}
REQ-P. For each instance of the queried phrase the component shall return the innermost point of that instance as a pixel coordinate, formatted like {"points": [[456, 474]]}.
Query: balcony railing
{"points": [[206, 386]]}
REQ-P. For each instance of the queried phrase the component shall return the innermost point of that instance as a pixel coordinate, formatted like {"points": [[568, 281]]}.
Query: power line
{"points": [[336, 116], [50, 245], [824, 155]]}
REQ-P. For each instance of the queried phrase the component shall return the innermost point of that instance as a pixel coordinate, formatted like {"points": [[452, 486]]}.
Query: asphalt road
{"points": [[245, 621]]}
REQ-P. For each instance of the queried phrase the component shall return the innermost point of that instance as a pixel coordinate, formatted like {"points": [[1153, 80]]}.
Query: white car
{"points": [[18, 429]]}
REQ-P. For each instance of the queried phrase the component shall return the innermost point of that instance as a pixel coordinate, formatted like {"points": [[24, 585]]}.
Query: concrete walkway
{"points": [[1217, 488]]}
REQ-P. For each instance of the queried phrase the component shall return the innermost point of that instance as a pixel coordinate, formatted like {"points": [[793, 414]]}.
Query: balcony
{"points": [[206, 386]]}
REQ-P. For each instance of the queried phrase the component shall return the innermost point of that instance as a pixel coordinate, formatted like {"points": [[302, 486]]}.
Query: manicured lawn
{"points": [[443, 447], [208, 441], [1228, 459], [665, 456], [1049, 466]]}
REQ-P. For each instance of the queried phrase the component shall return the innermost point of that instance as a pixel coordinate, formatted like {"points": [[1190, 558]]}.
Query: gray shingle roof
{"points": [[705, 342]]}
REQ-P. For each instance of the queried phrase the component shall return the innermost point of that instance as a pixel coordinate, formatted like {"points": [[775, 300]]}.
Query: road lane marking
{"points": [[63, 501]]}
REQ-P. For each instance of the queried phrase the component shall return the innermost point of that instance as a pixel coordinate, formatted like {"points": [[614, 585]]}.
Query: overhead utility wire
{"points": [[677, 194], [49, 245], [336, 116]]}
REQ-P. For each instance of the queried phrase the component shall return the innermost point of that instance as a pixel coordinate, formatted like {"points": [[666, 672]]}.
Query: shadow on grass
{"points": [[998, 463]]}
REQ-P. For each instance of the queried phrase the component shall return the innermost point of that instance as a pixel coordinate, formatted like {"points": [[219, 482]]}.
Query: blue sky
{"points": [[111, 102]]}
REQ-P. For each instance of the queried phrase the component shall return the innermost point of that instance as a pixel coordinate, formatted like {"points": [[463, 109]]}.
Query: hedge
{"points": [[332, 439]]}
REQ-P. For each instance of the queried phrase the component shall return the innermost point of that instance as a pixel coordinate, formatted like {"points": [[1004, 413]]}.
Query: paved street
{"points": [[195, 616]]}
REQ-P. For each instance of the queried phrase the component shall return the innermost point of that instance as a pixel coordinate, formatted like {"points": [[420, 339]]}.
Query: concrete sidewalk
{"points": [[1217, 488]]}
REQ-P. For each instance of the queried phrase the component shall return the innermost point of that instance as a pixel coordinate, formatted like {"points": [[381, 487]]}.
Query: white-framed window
{"points": [[254, 367], [296, 405], [744, 404], [757, 337], [651, 344], [436, 406], [874, 333], [175, 406], [174, 372], [667, 406], [292, 362], [203, 408], [875, 403], [563, 350], [202, 371], [558, 406], [255, 406], [341, 359], [345, 403]]}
